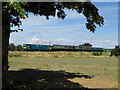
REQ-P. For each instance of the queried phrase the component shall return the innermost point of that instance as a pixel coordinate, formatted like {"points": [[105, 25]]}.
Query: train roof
{"points": [[36, 44], [61, 45], [96, 47]]}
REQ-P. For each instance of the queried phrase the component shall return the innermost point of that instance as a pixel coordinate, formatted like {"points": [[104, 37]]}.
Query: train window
{"points": [[58, 46]]}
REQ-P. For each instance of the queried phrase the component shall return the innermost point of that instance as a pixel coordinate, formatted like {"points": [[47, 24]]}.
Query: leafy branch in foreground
{"points": [[20, 10]]}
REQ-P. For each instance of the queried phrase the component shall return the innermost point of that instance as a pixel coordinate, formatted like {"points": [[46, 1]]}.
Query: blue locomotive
{"points": [[40, 47], [36, 47]]}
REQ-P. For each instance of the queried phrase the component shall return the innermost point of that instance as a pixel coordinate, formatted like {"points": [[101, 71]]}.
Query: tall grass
{"points": [[57, 54]]}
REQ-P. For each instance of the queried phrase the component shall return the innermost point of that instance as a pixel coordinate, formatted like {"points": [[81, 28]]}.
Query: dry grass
{"points": [[104, 69], [96, 82], [59, 54]]}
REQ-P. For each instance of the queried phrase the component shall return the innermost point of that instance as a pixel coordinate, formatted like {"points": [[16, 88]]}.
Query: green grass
{"points": [[70, 62]]}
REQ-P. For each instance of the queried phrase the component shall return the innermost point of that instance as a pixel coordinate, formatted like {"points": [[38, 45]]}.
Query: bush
{"points": [[116, 51], [11, 47], [19, 48], [95, 53], [100, 53]]}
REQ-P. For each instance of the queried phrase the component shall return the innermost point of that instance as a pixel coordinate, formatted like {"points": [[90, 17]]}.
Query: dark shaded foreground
{"points": [[34, 79]]}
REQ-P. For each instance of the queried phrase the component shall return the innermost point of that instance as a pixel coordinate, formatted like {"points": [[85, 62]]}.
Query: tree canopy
{"points": [[18, 10], [86, 44], [19, 48], [12, 47], [116, 51]]}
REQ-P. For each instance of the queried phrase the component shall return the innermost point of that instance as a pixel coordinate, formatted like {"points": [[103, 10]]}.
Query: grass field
{"points": [[72, 69]]}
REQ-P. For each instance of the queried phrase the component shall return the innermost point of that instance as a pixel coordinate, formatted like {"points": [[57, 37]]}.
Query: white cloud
{"points": [[53, 29], [41, 20], [62, 41], [89, 40], [37, 21], [107, 41], [36, 40], [65, 41]]}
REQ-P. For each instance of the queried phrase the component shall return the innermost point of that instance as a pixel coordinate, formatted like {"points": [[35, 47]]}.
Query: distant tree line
{"points": [[116, 51], [12, 47], [85, 44]]}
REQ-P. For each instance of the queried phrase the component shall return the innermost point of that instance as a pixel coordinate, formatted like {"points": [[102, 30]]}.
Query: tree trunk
{"points": [[5, 43]]}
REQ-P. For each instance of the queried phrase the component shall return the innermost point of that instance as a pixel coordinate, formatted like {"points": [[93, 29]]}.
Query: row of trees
{"points": [[12, 47]]}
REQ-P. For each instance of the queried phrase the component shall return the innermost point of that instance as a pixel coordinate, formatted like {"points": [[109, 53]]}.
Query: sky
{"points": [[71, 30]]}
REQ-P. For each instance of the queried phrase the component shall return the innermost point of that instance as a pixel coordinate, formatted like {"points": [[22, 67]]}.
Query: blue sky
{"points": [[71, 30]]}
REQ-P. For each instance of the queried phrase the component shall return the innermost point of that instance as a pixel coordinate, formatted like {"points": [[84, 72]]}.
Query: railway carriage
{"points": [[61, 48], [75, 48], [85, 48]]}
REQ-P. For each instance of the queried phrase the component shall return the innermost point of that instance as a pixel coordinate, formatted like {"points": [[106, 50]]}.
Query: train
{"points": [[54, 47]]}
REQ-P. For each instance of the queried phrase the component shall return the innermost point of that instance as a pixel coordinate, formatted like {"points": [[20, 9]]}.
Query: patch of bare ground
{"points": [[95, 82]]}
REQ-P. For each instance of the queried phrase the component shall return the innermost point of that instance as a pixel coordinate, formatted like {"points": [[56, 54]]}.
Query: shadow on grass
{"points": [[34, 79]]}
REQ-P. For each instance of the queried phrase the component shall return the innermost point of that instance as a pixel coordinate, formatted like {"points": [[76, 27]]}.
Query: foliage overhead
{"points": [[18, 10]]}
